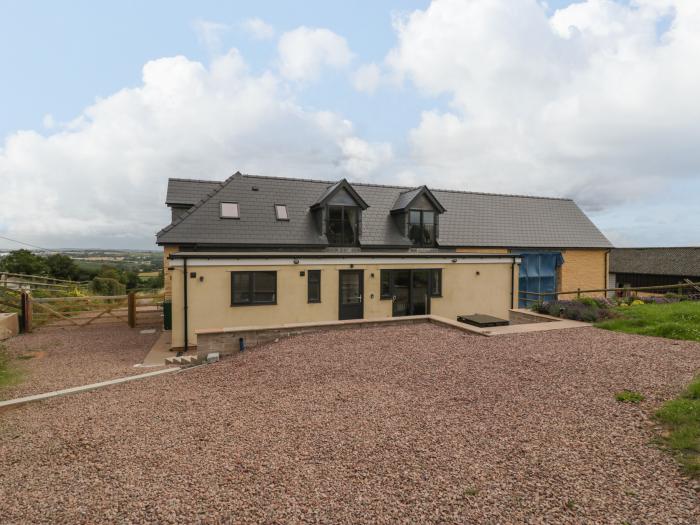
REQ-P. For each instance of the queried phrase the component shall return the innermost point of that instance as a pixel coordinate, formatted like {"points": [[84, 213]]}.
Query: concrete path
{"points": [[84, 388]]}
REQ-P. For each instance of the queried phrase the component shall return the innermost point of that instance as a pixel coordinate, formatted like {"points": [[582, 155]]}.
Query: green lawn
{"points": [[673, 321]]}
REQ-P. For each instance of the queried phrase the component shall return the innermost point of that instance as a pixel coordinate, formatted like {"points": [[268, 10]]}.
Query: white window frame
{"points": [[229, 216], [277, 212]]}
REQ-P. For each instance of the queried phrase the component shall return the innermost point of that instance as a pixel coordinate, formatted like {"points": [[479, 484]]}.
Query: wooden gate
{"points": [[67, 312]]}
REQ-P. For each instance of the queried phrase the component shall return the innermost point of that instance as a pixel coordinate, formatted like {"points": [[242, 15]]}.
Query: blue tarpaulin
{"points": [[538, 274]]}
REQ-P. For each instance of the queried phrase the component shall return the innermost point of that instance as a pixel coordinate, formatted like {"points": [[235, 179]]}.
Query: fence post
{"points": [[26, 308], [578, 293], [132, 309]]}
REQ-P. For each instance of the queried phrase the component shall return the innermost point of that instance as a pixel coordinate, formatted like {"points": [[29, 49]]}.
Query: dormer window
{"points": [[338, 213], [343, 225], [421, 227]]}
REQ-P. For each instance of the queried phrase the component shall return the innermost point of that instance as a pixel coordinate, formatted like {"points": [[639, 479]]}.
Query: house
{"points": [[261, 251], [634, 267]]}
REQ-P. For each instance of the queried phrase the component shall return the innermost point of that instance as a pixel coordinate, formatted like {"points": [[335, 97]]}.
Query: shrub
{"points": [[585, 309], [107, 286]]}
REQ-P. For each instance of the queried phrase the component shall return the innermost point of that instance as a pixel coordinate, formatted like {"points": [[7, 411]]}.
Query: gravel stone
{"points": [[412, 423], [64, 358]]}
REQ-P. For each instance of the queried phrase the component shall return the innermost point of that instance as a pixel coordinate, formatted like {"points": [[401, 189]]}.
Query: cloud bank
{"points": [[100, 180], [597, 101]]}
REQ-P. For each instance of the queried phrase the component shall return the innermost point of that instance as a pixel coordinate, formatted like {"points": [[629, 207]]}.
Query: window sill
{"points": [[253, 304]]}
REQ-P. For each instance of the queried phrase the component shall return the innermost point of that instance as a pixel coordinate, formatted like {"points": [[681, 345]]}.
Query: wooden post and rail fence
{"points": [[692, 288], [20, 281], [68, 312]]}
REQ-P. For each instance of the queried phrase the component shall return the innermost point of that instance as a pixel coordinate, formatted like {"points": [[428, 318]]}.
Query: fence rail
{"points": [[70, 312], [687, 285], [18, 281]]}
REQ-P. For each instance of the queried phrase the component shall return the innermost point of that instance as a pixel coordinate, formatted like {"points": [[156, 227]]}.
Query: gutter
{"points": [[336, 255], [184, 273], [512, 284]]}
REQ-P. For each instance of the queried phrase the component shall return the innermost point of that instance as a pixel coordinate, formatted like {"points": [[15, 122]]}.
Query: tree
{"points": [[132, 280], [24, 261], [62, 267]]}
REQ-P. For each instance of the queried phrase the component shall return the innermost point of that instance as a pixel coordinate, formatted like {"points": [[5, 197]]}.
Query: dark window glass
{"points": [[421, 227], [385, 287], [253, 288], [436, 282], [343, 225], [240, 287], [264, 287], [314, 285]]}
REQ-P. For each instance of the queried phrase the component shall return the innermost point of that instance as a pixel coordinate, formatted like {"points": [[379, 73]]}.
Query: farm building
{"points": [[633, 267], [261, 251]]}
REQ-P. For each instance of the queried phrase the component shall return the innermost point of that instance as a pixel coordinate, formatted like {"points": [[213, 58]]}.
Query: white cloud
{"points": [[591, 102], [258, 28], [304, 51], [367, 78], [210, 34], [100, 180]]}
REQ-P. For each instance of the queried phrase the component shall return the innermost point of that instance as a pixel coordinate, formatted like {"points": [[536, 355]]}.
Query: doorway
{"points": [[411, 292], [351, 289]]}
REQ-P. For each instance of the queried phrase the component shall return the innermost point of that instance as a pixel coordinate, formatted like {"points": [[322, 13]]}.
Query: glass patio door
{"points": [[411, 290]]}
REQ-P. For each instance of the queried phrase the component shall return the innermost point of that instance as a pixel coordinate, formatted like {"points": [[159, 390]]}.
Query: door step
{"points": [[184, 360], [192, 360]]}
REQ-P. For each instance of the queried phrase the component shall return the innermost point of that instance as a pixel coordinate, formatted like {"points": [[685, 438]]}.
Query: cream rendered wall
{"points": [[167, 275], [464, 292]]}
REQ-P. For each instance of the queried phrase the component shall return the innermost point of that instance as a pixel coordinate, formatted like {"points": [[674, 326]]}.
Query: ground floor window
{"points": [[253, 288], [390, 278], [314, 286]]}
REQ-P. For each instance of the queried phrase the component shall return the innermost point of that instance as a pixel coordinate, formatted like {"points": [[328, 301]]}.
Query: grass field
{"points": [[673, 321]]}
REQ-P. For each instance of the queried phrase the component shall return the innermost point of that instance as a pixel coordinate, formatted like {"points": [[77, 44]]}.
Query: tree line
{"points": [[59, 266]]}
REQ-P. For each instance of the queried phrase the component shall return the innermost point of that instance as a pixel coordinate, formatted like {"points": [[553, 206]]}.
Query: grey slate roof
{"points": [[405, 198], [471, 219], [656, 261], [188, 191]]}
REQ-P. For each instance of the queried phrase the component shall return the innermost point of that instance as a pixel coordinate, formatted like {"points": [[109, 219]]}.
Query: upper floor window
{"points": [[343, 225], [421, 227], [230, 210]]}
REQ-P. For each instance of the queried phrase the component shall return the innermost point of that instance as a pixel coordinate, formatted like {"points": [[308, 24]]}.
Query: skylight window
{"points": [[230, 210], [281, 212]]}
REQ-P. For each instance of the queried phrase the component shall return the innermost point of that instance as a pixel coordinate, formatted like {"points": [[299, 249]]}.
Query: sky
{"points": [[101, 102]]}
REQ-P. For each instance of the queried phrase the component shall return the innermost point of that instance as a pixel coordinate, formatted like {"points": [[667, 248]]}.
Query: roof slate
{"points": [[470, 219], [656, 261], [188, 191]]}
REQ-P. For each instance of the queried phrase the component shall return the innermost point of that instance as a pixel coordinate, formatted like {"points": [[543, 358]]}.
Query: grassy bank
{"points": [[681, 416], [9, 375], [673, 321]]}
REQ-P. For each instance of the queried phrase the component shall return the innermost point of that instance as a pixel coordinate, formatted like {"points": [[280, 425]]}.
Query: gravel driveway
{"points": [[53, 358], [414, 423]]}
